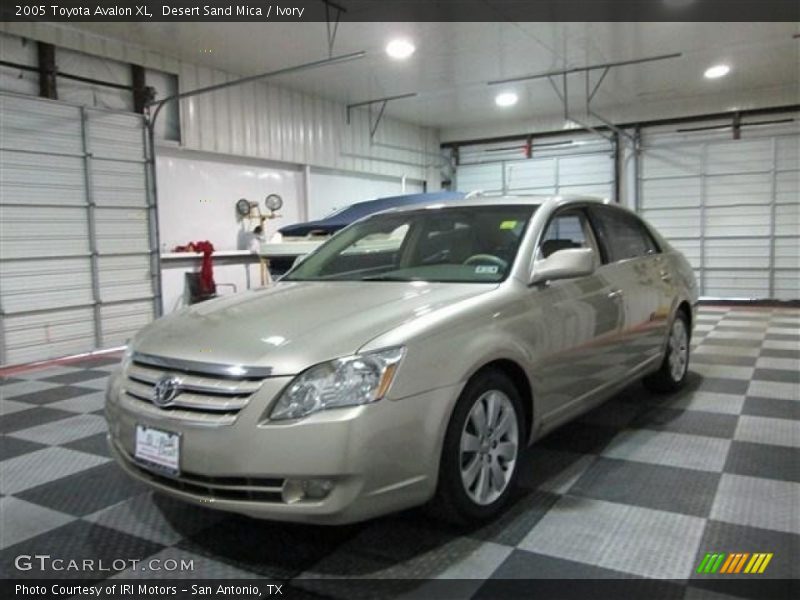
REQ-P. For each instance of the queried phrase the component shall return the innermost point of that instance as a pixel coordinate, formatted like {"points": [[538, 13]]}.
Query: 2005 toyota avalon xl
{"points": [[409, 359]]}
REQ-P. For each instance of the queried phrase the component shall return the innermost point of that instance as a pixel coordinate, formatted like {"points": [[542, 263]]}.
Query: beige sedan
{"points": [[408, 360]]}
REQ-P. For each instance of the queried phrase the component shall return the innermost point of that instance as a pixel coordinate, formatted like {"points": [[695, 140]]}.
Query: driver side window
{"points": [[569, 229]]}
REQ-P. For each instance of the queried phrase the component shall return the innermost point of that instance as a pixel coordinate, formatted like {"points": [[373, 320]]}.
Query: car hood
{"points": [[290, 326]]}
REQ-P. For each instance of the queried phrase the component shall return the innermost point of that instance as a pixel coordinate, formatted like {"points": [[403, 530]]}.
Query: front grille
{"points": [[254, 489], [203, 398]]}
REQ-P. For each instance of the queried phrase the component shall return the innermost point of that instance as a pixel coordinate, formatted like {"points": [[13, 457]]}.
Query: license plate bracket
{"points": [[158, 450]]}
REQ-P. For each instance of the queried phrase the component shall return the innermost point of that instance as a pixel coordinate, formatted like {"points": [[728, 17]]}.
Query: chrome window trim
{"points": [[200, 367]]}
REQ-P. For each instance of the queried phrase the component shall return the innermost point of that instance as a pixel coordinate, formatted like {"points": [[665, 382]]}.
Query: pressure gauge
{"points": [[243, 207], [273, 202]]}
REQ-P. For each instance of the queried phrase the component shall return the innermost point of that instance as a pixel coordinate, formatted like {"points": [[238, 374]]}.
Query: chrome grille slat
{"points": [[203, 385], [203, 398], [195, 417], [189, 400]]}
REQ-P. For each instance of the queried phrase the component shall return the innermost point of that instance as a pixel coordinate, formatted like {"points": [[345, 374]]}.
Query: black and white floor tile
{"points": [[641, 487]]}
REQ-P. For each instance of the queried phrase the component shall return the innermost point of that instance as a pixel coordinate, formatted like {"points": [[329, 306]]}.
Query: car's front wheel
{"points": [[672, 373], [481, 449]]}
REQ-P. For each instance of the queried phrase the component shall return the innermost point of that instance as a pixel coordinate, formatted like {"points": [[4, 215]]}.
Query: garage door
{"points": [[75, 241], [574, 165], [732, 206]]}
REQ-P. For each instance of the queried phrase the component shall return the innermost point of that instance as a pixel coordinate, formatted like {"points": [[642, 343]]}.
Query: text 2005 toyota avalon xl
{"points": [[410, 358]]}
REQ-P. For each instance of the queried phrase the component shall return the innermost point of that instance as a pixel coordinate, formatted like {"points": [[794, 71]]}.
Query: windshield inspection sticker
{"points": [[486, 269], [508, 224]]}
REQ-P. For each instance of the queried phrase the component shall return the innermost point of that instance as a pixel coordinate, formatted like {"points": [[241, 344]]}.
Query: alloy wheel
{"points": [[489, 447], [678, 350]]}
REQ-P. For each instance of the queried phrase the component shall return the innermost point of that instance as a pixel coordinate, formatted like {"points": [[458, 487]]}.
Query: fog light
{"points": [[317, 489], [295, 490]]}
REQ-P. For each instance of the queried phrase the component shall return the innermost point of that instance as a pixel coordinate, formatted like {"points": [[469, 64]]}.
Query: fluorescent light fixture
{"points": [[717, 71], [506, 99], [400, 49]]}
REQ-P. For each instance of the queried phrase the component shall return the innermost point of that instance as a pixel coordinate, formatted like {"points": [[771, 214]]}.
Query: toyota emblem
{"points": [[165, 390]]}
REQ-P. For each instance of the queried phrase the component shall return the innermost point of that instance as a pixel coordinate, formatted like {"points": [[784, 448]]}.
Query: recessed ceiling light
{"points": [[717, 71], [400, 49], [506, 99]]}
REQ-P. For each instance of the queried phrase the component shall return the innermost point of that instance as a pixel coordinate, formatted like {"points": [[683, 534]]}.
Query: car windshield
{"points": [[455, 244]]}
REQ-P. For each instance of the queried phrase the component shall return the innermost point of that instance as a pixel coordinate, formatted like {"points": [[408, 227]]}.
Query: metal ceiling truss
{"points": [[159, 104], [373, 126], [332, 25], [590, 90]]}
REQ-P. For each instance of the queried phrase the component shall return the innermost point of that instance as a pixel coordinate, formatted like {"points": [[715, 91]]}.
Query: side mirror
{"points": [[564, 264]]}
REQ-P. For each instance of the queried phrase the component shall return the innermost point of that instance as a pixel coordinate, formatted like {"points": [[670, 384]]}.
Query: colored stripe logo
{"points": [[734, 562]]}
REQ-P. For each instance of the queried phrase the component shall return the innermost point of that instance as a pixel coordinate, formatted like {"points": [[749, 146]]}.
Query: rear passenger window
{"points": [[622, 235]]}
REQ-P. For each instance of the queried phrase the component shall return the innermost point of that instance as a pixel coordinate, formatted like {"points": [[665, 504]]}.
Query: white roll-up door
{"points": [[574, 165], [75, 234], [731, 205]]}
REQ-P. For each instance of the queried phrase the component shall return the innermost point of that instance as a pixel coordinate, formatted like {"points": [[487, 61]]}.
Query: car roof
{"points": [[479, 200]]}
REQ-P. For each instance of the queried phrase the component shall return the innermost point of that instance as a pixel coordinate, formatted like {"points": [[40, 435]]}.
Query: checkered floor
{"points": [[644, 486]]}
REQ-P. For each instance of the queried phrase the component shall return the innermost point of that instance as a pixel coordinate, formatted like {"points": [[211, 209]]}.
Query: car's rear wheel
{"points": [[672, 374], [481, 449]]}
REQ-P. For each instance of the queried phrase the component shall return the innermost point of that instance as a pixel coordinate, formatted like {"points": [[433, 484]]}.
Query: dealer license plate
{"points": [[158, 449]]}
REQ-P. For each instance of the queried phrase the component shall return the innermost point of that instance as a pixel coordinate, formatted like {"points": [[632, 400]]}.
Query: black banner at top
{"points": [[400, 10]]}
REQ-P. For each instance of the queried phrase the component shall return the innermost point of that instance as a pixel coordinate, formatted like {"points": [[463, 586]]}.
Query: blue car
{"points": [[342, 218]]}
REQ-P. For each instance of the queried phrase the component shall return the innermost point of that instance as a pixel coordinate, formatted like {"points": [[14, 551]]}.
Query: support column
{"points": [[47, 70]]}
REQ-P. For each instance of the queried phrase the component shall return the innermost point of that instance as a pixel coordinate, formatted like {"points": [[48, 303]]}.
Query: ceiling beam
{"points": [[373, 127], [753, 112], [159, 104], [621, 63]]}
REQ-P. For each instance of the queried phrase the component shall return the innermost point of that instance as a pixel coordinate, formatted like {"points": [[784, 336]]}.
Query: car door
{"points": [[633, 269], [575, 322]]}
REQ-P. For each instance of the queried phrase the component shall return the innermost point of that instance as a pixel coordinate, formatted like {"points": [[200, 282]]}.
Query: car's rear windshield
{"points": [[451, 244]]}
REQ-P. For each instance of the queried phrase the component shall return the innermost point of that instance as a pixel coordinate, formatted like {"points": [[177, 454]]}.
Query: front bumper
{"points": [[381, 457]]}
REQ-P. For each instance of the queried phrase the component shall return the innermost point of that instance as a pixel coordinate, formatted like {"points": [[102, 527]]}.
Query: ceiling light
{"points": [[717, 71], [506, 99], [400, 49]]}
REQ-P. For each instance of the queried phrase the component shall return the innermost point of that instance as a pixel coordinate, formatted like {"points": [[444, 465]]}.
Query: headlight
{"points": [[347, 381]]}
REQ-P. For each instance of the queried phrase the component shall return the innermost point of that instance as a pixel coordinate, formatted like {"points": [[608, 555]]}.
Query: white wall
{"points": [[331, 190], [197, 193]]}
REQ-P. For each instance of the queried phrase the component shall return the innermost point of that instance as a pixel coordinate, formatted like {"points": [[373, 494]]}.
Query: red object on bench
{"points": [[207, 285]]}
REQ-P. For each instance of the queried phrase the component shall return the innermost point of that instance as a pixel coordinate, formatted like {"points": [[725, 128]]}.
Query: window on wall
{"points": [[622, 235], [88, 80], [117, 95], [168, 125], [18, 51]]}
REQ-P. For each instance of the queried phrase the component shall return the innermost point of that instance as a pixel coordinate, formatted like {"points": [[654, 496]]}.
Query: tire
{"points": [[476, 483], [671, 375]]}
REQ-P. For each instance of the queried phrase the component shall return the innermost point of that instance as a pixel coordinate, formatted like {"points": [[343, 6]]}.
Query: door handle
{"points": [[614, 294]]}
